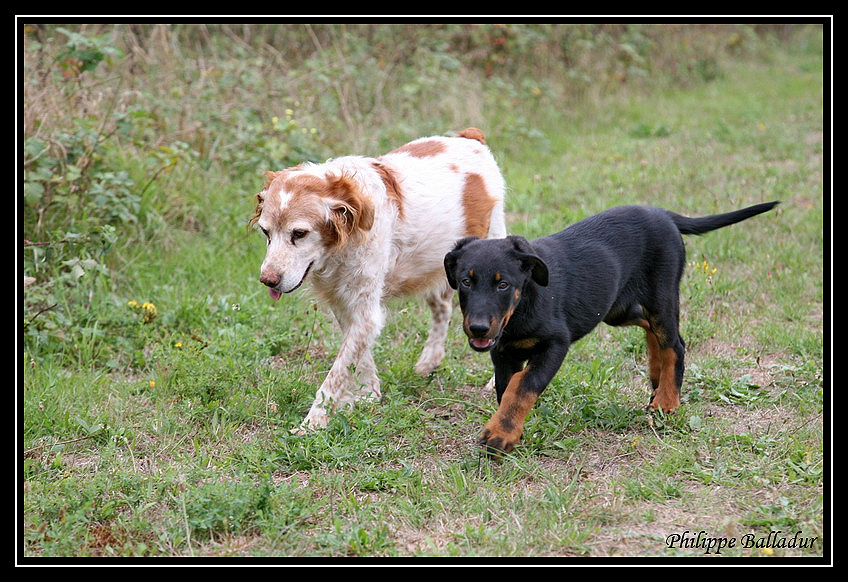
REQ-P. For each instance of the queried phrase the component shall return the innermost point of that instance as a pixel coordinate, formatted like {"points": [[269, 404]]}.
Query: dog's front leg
{"points": [[360, 327], [516, 399]]}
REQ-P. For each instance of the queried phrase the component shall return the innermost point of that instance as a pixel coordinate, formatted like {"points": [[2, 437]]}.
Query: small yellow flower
{"points": [[132, 303], [150, 311], [275, 120], [289, 112], [178, 345], [767, 551], [152, 383]]}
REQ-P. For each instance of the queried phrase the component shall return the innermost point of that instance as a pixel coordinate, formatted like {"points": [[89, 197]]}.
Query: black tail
{"points": [[707, 223]]}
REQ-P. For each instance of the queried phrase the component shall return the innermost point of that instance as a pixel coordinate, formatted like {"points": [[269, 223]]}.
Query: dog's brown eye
{"points": [[298, 234], [465, 282], [503, 285]]}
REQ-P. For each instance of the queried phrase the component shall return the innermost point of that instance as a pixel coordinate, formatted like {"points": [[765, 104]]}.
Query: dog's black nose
{"points": [[478, 329]]}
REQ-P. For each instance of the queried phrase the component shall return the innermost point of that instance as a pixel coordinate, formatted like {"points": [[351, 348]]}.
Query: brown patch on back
{"points": [[473, 133], [392, 187], [477, 206], [422, 149]]}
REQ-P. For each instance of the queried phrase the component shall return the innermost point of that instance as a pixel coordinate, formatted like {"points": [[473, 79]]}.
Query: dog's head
{"points": [[307, 215], [491, 276]]}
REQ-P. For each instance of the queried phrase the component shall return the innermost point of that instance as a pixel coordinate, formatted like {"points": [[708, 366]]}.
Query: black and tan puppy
{"points": [[527, 302]]}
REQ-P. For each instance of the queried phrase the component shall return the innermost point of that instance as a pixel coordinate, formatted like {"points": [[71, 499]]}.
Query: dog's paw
{"points": [[666, 400], [427, 363], [372, 394], [316, 419], [495, 443], [424, 368]]}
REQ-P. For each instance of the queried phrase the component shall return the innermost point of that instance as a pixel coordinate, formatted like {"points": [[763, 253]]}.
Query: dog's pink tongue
{"points": [[274, 293], [481, 343]]}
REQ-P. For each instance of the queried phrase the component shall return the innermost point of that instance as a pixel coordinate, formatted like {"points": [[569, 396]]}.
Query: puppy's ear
{"points": [[538, 269], [452, 257], [530, 261], [351, 212]]}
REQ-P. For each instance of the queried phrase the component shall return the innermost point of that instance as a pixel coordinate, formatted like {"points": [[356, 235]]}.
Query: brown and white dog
{"points": [[367, 229]]}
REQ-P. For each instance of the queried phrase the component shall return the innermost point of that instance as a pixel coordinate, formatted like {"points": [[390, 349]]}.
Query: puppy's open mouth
{"points": [[276, 294], [489, 338], [482, 344]]}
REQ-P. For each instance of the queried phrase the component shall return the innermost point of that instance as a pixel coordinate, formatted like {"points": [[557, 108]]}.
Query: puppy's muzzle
{"points": [[482, 334]]}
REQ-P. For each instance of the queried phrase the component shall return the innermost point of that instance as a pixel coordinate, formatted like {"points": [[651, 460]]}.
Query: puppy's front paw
{"points": [[496, 442], [668, 400]]}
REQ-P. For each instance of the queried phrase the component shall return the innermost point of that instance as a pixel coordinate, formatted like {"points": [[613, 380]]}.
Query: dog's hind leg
{"points": [[433, 353], [654, 355], [635, 315], [666, 351], [667, 394]]}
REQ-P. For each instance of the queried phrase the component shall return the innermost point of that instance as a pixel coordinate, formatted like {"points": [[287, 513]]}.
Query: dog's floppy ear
{"points": [[530, 261], [453, 256], [260, 199], [350, 210], [257, 212], [538, 269]]}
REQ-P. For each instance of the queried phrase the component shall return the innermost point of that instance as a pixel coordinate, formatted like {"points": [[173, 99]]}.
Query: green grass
{"points": [[170, 436]]}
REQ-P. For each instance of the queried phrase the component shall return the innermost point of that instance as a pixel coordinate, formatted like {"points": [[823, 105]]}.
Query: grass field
{"points": [[160, 382]]}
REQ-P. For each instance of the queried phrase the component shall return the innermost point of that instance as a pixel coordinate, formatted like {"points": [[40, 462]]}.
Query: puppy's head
{"points": [[307, 215], [491, 275]]}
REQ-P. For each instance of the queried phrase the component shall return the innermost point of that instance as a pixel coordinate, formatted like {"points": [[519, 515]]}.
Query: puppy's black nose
{"points": [[478, 329]]}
